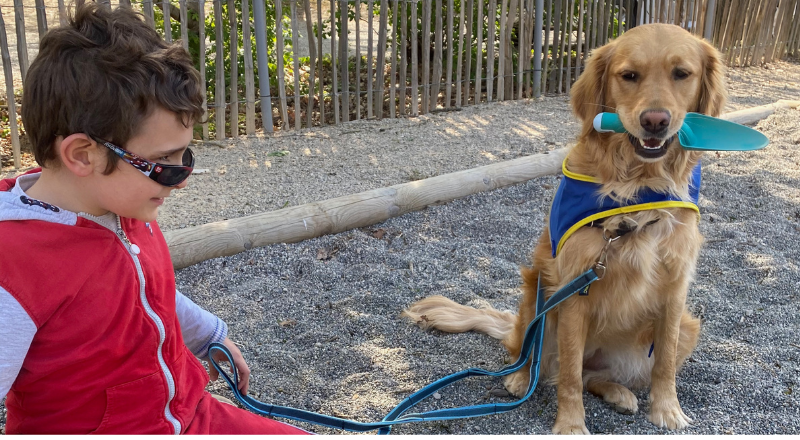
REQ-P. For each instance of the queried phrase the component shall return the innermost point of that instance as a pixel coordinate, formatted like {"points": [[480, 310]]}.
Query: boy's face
{"points": [[127, 192]]}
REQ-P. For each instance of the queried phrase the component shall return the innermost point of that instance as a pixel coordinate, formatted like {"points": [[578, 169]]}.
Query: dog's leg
{"points": [[573, 317], [665, 410], [620, 397]]}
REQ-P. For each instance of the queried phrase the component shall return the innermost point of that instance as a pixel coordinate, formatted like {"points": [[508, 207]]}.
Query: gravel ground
{"points": [[318, 320]]}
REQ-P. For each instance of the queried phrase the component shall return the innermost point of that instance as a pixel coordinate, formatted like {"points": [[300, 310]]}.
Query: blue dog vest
{"points": [[578, 202]]}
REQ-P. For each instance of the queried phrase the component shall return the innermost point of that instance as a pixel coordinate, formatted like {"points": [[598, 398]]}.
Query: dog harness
{"points": [[578, 202]]}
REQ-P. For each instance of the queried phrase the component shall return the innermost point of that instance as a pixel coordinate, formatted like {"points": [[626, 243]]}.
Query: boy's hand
{"points": [[238, 362]]}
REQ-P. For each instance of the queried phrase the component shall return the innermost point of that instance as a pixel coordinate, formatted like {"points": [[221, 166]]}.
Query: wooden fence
{"points": [[343, 60]]}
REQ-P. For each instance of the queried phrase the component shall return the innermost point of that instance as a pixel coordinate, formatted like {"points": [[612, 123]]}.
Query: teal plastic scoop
{"points": [[699, 132]]}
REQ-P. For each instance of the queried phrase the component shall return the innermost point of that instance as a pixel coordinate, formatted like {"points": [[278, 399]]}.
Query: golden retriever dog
{"points": [[651, 76]]}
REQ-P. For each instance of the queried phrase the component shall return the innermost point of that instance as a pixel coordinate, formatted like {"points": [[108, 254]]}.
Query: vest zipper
{"points": [[133, 251]]}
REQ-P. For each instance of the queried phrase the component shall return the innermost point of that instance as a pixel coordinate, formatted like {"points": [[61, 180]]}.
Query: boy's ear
{"points": [[79, 154]]}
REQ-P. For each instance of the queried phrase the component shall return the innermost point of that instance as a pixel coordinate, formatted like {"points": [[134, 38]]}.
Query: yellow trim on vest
{"points": [[576, 176], [624, 210]]}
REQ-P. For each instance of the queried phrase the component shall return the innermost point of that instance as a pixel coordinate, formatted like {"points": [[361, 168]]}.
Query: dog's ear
{"points": [[588, 94], [713, 94]]}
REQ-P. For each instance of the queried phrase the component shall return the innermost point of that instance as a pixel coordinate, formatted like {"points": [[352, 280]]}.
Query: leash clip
{"points": [[600, 264]]}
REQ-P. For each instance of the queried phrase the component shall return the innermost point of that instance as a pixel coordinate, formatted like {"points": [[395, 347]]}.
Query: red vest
{"points": [[93, 365]]}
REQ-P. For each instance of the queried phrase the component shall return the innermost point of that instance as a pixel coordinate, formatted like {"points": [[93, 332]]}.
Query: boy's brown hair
{"points": [[102, 74]]}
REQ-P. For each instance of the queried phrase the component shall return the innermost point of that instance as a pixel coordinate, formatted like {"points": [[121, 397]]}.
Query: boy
{"points": [[95, 337]]}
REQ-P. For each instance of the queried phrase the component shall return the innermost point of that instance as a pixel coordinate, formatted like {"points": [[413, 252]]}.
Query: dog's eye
{"points": [[630, 76], [680, 74]]}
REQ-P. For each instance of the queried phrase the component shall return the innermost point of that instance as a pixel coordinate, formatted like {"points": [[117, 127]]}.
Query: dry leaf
{"points": [[288, 323], [379, 233]]}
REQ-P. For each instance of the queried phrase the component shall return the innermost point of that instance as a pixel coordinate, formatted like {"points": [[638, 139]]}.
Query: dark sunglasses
{"points": [[167, 175]]}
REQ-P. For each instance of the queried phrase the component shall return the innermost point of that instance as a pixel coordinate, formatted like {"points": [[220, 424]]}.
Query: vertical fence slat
{"points": [[201, 62], [298, 108], [334, 56], [529, 28], [579, 48], [460, 56], [344, 40], [149, 14], [184, 19], [546, 47], [358, 58], [260, 29], [393, 74], [747, 24], [521, 41], [12, 105], [312, 59], [555, 49], [249, 74], [468, 57], [501, 71], [491, 18], [22, 44], [381, 62], [165, 7], [414, 57], [538, 48], [62, 13], [219, 87], [321, 64], [426, 55], [370, 76], [437, 60], [234, 57], [41, 17], [403, 56], [448, 95], [569, 46], [281, 72], [479, 57], [125, 3]]}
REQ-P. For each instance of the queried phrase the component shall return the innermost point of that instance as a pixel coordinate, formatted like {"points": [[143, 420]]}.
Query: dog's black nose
{"points": [[654, 121]]}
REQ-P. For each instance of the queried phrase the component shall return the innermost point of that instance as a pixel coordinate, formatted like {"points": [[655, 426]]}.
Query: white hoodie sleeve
{"points": [[199, 327], [16, 335]]}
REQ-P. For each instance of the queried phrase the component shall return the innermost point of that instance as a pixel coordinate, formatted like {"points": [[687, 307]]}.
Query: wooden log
{"points": [[393, 72], [344, 58], [298, 110], [358, 58], [234, 57], [12, 105], [460, 56], [22, 43], [249, 73], [334, 56], [490, 34], [184, 14], [41, 18], [479, 57], [198, 243], [754, 114], [426, 55], [370, 76], [448, 94], [381, 61], [201, 18], [437, 57], [414, 57], [219, 87], [167, 25]]}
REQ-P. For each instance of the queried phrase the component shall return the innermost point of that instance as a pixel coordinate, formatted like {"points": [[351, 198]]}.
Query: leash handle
{"points": [[534, 336]]}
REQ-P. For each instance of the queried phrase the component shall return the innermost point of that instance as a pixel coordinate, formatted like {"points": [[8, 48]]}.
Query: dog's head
{"points": [[651, 76]]}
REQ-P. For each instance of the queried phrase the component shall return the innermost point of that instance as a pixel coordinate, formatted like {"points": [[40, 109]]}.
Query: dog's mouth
{"points": [[652, 148]]}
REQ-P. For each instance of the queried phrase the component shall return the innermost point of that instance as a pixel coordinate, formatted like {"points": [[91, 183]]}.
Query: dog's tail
{"points": [[448, 316]]}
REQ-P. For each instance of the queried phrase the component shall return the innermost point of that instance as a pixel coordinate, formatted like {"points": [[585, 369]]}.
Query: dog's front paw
{"points": [[622, 399], [668, 414], [571, 427], [517, 383]]}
